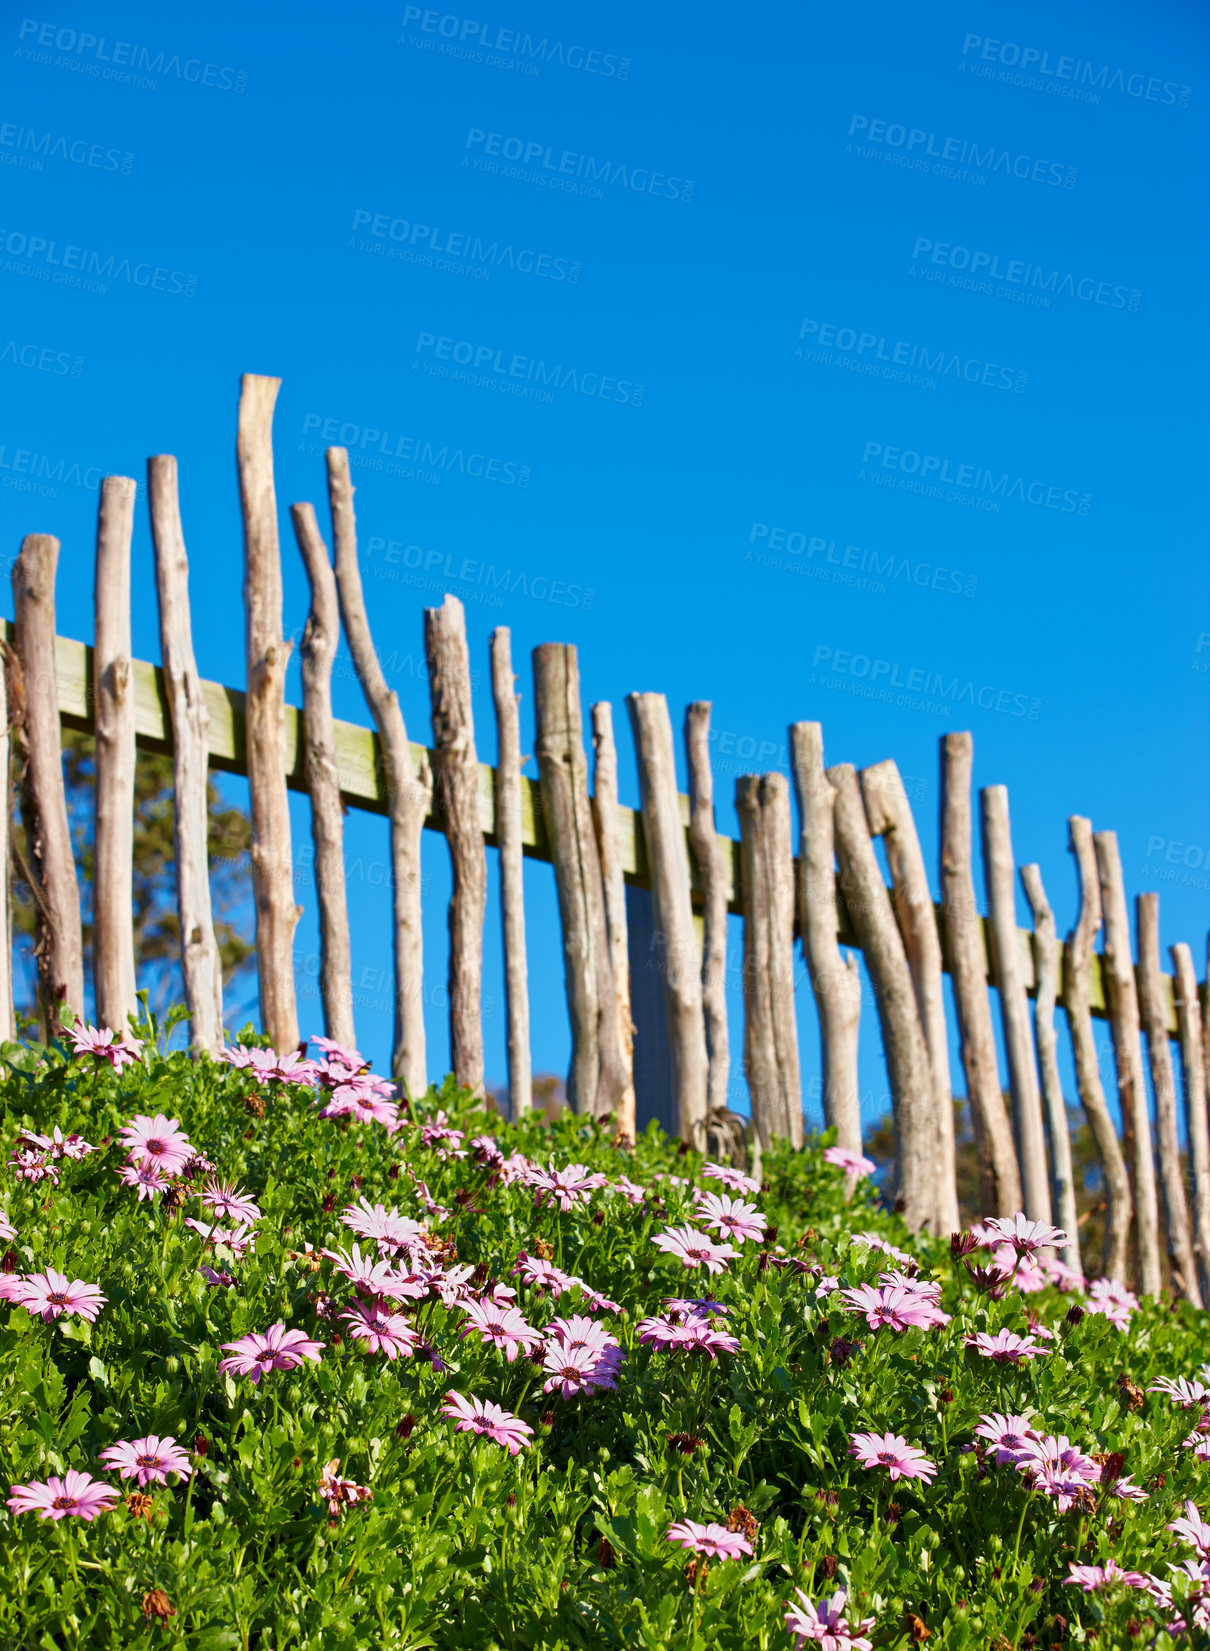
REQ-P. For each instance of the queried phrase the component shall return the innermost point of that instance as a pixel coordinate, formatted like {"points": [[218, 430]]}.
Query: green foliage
{"points": [[563, 1547]]}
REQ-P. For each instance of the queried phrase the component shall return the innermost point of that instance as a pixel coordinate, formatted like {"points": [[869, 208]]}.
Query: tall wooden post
{"points": [[1197, 1125], [609, 841], [770, 1030], [512, 888], [708, 856], [8, 1020], [1046, 968]]}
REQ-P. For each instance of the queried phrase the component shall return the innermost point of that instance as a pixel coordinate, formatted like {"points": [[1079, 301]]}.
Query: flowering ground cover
{"points": [[285, 1361]]}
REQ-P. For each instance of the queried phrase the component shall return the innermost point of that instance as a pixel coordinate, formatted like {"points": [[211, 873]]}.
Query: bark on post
{"points": [[7, 1017], [456, 788], [201, 965], [890, 816], [512, 888], [907, 1060], [609, 842], [1046, 968], [596, 1080], [1077, 999], [321, 637], [1163, 1083], [1121, 995], [770, 1031], [835, 977], [1197, 1125], [59, 947], [710, 869], [408, 792], [668, 858], [113, 724], [999, 1175], [268, 653], [1014, 1002]]}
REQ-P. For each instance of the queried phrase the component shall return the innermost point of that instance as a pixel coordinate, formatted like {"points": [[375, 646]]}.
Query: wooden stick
{"points": [[907, 1060], [8, 1019], [320, 640], [1163, 1083], [668, 855], [609, 841], [1046, 966], [999, 882], [59, 947], [456, 793], [113, 927], [512, 889], [597, 1079], [268, 654], [201, 964], [890, 816], [1197, 1125], [409, 791], [835, 977], [1121, 991], [1077, 971], [770, 1030], [708, 856], [999, 1175]]}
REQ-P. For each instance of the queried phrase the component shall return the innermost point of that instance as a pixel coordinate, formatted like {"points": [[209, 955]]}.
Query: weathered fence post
{"points": [[268, 653], [320, 640], [1014, 1001], [668, 860], [771, 1067], [999, 1174], [869, 907], [408, 792], [1163, 1083], [1077, 1000], [835, 978], [596, 1080], [605, 810], [8, 1019], [1197, 1125], [59, 948], [890, 816], [201, 965], [1121, 996], [456, 792], [113, 725], [711, 874], [512, 887], [1046, 966]]}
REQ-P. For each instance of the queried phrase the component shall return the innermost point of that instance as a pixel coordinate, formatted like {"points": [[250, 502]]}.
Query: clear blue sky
{"points": [[806, 237]]}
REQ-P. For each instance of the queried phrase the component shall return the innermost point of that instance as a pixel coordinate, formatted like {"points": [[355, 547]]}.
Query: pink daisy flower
{"points": [[382, 1332], [630, 1190], [1025, 1235], [892, 1451], [733, 1178], [391, 1231], [7, 1230], [147, 1459], [544, 1274], [361, 1099], [225, 1200], [579, 1331], [1008, 1435], [567, 1187], [237, 1239], [51, 1295], [32, 1166], [875, 1241], [76, 1493], [340, 1053], [471, 1415], [57, 1145], [159, 1140], [274, 1349], [1193, 1528], [1095, 1579], [504, 1327], [825, 1624], [216, 1278], [575, 1370], [1058, 1455], [853, 1163], [1005, 1347], [711, 1541], [731, 1217], [103, 1043], [891, 1305], [1186, 1393], [694, 1249], [695, 1307], [341, 1493], [370, 1275], [147, 1178]]}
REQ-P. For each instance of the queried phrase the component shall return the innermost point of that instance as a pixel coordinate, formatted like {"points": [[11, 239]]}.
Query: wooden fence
{"points": [[829, 895]]}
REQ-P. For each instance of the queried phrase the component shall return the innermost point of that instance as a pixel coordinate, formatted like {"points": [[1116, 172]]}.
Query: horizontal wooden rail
{"points": [[362, 786]]}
